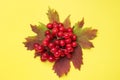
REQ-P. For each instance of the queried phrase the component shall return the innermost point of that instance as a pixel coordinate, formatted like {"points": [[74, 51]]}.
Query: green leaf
{"points": [[53, 15], [67, 22]]}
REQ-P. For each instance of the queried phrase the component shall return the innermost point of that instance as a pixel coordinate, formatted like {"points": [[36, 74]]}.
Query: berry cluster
{"points": [[58, 42]]}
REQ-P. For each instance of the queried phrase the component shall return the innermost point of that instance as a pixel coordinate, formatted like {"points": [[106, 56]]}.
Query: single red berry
{"points": [[74, 44], [62, 29], [74, 37], [57, 47], [55, 30], [49, 36], [70, 30], [36, 45], [44, 56], [39, 49], [51, 45], [57, 54], [45, 43], [66, 51], [70, 49], [60, 34], [62, 43], [47, 32], [51, 59], [69, 56], [53, 50], [68, 45], [66, 35], [70, 34], [49, 25], [68, 40], [60, 25], [55, 25], [57, 42]]}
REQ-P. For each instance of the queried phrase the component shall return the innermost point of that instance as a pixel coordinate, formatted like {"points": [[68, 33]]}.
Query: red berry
{"points": [[70, 34], [53, 50], [51, 58], [40, 48], [57, 42], [68, 40], [69, 56], [60, 34], [35, 45], [66, 51], [62, 43], [55, 25], [62, 29], [51, 45], [47, 32], [68, 45], [49, 36], [66, 35], [57, 54], [49, 25], [74, 37], [70, 49], [57, 47], [45, 43], [60, 25], [54, 30], [70, 30], [44, 56], [74, 44]]}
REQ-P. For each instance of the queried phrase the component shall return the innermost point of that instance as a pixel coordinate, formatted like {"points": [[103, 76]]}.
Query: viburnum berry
{"points": [[49, 25], [74, 44], [47, 32], [62, 43], [44, 56], [58, 42], [51, 59], [68, 40], [60, 25], [74, 37], [70, 30]]}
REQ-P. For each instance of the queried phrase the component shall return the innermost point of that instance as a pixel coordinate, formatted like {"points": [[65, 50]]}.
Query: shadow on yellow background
{"points": [[100, 63]]}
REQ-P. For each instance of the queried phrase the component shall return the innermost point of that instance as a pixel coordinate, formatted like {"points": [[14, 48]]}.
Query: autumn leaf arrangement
{"points": [[60, 43]]}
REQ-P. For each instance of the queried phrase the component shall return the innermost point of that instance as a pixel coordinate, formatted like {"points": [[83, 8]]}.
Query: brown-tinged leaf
{"points": [[62, 66], [53, 15], [81, 23], [67, 22], [89, 33], [77, 58], [85, 36], [85, 43], [30, 42]]}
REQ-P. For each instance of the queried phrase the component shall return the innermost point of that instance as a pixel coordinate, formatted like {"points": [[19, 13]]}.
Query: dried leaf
{"points": [[81, 23], [30, 42], [53, 15], [85, 43], [39, 30], [84, 35], [62, 66], [67, 22], [77, 57], [89, 33]]}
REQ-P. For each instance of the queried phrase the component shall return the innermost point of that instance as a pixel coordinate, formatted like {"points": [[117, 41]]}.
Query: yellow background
{"points": [[100, 63]]}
